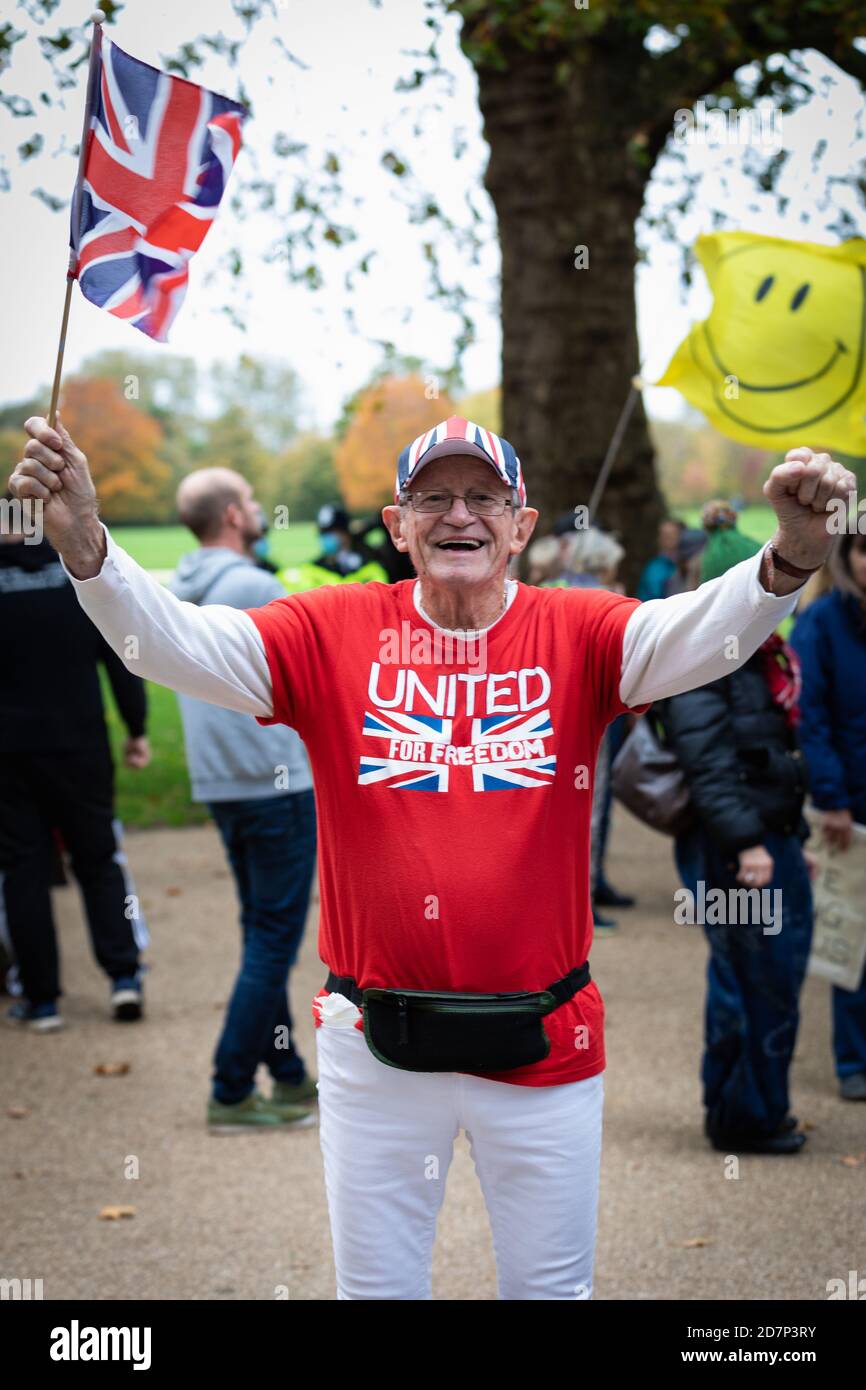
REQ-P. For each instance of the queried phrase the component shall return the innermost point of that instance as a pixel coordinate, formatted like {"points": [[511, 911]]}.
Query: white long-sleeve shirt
{"points": [[217, 653]]}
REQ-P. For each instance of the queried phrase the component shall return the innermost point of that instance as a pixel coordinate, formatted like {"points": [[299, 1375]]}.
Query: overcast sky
{"points": [[344, 100]]}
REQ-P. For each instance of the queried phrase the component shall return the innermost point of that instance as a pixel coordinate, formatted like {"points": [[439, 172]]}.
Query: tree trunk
{"points": [[561, 176]]}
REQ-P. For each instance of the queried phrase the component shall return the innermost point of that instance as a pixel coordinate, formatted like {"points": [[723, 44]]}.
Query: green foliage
{"points": [[306, 478], [711, 31], [268, 392], [484, 408]]}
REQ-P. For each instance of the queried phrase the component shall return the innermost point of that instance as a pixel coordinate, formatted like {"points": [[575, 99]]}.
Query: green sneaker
{"points": [[286, 1094], [255, 1113]]}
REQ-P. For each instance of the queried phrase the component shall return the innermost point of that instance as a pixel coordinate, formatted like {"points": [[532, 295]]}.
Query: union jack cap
{"points": [[458, 436]]}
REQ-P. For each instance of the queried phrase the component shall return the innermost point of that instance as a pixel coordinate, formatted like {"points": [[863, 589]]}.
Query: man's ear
{"points": [[393, 521], [233, 516], [524, 525]]}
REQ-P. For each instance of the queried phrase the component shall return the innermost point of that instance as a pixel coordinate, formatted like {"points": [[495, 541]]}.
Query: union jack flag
{"points": [[405, 776], [531, 768], [159, 153], [513, 747]]}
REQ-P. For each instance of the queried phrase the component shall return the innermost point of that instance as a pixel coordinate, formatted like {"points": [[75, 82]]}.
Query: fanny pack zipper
{"points": [[443, 1007], [481, 1008]]}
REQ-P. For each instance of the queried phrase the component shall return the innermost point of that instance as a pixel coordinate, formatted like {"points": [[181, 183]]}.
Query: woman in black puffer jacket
{"points": [[736, 742]]}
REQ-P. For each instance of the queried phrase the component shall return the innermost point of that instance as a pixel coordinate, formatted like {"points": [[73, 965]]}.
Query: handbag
{"points": [[433, 1030], [647, 778]]}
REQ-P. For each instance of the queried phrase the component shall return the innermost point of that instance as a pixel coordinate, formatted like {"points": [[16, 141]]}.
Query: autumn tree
{"points": [[387, 417], [122, 444], [166, 388]]}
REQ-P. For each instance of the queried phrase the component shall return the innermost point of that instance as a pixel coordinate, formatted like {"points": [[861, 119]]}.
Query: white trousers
{"points": [[387, 1137]]}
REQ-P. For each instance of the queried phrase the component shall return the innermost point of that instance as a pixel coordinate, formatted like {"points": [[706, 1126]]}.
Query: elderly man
{"points": [[454, 802]]}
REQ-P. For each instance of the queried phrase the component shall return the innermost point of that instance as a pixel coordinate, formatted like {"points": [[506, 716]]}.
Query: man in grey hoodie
{"points": [[256, 782]]}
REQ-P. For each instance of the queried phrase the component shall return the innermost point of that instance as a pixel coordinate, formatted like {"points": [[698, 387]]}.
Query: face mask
{"points": [[330, 543], [260, 548]]}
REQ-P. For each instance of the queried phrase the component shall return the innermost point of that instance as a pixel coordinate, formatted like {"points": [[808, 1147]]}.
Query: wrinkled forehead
{"points": [[458, 473]]}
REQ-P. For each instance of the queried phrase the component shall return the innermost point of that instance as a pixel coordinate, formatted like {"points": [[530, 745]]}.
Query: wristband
{"points": [[776, 561]]}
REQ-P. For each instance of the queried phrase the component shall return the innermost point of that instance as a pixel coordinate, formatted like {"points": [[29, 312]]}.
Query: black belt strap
{"points": [[561, 990]]}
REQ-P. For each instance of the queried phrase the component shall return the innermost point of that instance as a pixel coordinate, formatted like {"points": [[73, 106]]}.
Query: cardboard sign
{"points": [[839, 939]]}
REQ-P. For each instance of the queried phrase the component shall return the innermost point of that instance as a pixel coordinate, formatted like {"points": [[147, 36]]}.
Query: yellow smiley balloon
{"points": [[780, 360]]}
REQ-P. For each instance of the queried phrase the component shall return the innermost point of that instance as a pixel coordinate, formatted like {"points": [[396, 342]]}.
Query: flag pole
{"points": [[613, 446], [96, 19]]}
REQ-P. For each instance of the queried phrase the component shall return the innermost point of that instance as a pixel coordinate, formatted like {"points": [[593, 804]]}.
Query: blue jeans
{"points": [[616, 736], [271, 846], [753, 988], [849, 1029]]}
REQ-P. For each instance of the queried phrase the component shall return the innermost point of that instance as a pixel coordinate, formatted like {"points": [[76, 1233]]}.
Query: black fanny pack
{"points": [[428, 1030]]}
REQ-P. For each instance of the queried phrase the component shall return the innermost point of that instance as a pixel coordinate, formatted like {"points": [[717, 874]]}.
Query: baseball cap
{"points": [[458, 436]]}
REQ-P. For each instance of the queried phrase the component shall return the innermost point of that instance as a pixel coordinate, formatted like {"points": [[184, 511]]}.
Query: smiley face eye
{"points": [[800, 296], [764, 288]]}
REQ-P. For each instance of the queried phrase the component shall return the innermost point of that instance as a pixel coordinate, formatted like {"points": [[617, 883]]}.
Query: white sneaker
{"points": [[41, 1018]]}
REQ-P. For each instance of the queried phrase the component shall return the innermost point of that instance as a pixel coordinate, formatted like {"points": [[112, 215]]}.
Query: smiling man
{"points": [[454, 803]]}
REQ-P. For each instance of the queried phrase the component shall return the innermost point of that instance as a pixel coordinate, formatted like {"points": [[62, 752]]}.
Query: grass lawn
{"points": [[160, 547], [158, 795]]}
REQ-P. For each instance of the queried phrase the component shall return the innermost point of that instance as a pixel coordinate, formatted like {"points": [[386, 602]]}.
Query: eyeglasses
{"points": [[479, 503]]}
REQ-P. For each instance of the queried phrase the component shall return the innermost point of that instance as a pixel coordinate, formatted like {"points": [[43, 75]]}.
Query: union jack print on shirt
{"points": [[533, 768], [159, 154], [412, 728], [506, 752]]}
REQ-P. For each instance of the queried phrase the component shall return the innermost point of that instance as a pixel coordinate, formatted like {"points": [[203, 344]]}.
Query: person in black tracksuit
{"points": [[738, 749], [56, 771]]}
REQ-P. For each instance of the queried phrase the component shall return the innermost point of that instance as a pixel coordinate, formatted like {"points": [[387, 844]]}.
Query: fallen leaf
{"points": [[112, 1068], [694, 1243], [115, 1213], [173, 892], [853, 1160], [18, 1112]]}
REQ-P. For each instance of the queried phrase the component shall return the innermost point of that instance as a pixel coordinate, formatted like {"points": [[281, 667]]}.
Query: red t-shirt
{"points": [[454, 795]]}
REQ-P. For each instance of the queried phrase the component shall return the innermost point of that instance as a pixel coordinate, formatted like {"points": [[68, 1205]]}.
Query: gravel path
{"points": [[236, 1217]]}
